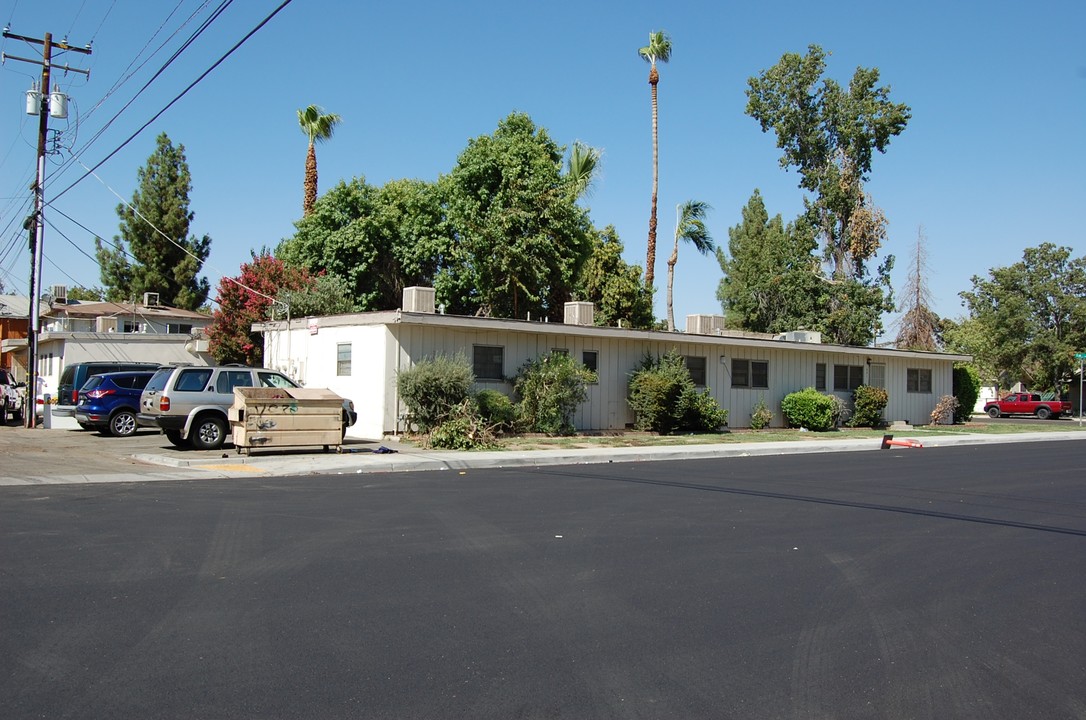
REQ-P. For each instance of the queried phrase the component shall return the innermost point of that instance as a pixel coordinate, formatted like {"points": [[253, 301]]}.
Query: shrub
{"points": [[665, 400], [550, 388], [810, 409], [462, 428], [760, 415], [496, 409], [944, 411], [432, 388], [966, 390], [868, 404]]}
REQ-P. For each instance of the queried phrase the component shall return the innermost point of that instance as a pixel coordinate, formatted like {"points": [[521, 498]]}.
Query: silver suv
{"points": [[190, 403]]}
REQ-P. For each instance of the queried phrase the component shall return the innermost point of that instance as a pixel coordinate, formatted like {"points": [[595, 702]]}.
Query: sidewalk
{"points": [[38, 457]]}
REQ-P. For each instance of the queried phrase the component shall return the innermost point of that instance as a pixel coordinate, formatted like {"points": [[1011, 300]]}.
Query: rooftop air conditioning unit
{"points": [[60, 294], [801, 336], [418, 299], [704, 324], [105, 324], [579, 313], [150, 299]]}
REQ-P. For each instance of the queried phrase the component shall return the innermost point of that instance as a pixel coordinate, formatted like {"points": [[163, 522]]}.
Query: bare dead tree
{"points": [[918, 327]]}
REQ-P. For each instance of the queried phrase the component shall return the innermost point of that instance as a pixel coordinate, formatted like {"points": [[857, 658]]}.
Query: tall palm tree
{"points": [[318, 127], [584, 162], [658, 49], [689, 226]]}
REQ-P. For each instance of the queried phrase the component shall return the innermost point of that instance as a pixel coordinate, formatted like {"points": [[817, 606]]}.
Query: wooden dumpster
{"points": [[265, 417]]}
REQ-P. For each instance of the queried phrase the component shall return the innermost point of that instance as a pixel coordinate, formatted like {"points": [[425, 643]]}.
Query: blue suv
{"points": [[109, 402]]}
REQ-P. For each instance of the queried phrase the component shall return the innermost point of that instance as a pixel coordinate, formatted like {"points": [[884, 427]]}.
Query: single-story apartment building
{"points": [[358, 356]]}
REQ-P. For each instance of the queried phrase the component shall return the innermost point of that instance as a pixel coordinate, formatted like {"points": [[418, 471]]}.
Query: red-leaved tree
{"points": [[245, 300]]}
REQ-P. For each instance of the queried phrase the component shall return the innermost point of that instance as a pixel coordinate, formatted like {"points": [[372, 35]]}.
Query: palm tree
{"points": [[318, 127], [659, 48], [690, 226], [584, 161]]}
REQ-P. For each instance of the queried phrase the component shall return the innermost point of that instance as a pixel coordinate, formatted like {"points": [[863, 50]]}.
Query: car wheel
{"points": [[1043, 413], [208, 433], [176, 439], [123, 424], [993, 412]]}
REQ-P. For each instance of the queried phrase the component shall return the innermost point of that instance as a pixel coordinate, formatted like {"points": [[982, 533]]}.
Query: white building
{"points": [[358, 356]]}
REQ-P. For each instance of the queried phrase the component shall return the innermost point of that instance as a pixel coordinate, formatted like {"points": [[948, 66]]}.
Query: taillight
{"points": [[98, 394], [75, 397], [164, 404]]}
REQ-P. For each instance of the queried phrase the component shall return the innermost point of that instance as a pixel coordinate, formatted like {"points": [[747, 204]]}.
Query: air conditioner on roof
{"points": [[150, 299], [60, 294]]}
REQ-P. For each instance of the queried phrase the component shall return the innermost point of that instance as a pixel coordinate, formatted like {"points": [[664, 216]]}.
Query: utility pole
{"points": [[36, 225]]}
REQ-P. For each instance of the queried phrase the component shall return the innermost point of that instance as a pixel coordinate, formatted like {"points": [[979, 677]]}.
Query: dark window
{"points": [[343, 359], [192, 380], [131, 327], [918, 380], [590, 359], [488, 362], [274, 379], [178, 328], [820, 376], [230, 379], [750, 373], [696, 366], [847, 377]]}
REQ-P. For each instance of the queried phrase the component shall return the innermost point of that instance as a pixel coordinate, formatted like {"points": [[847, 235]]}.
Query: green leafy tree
{"points": [[248, 299], [615, 288], [377, 239], [771, 277], [658, 50], [160, 257], [318, 126], [85, 294], [1033, 316], [550, 389], [434, 388], [665, 400], [582, 166], [325, 295], [829, 133], [689, 227], [520, 238]]}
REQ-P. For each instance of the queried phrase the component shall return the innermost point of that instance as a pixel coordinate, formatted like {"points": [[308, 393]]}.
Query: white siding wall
{"points": [[380, 351]]}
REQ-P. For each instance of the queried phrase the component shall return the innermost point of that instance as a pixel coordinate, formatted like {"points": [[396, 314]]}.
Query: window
{"points": [[488, 362], [230, 379], [192, 380], [820, 376], [847, 377], [274, 379], [178, 328], [590, 359], [750, 373], [918, 380], [343, 359], [696, 366], [876, 375], [131, 327]]}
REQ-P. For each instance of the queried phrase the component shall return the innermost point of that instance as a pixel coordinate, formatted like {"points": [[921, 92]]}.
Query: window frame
{"points": [[703, 370], [913, 378], [745, 372], [480, 367], [595, 364], [849, 377], [820, 377], [343, 363]]}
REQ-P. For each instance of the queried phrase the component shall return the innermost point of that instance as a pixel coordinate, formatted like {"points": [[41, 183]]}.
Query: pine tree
{"points": [[919, 327], [154, 251]]}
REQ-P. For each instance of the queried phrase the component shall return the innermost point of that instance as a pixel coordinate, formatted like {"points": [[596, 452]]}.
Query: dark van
{"points": [[76, 374]]}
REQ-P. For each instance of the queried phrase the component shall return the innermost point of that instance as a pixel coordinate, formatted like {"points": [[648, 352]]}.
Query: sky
{"points": [[991, 162]]}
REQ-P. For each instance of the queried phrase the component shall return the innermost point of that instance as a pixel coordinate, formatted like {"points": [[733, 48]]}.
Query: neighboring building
{"points": [[358, 356], [74, 331], [14, 321]]}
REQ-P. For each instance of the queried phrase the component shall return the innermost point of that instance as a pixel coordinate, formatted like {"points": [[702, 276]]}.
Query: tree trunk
{"points": [[671, 261], [650, 257], [310, 195]]}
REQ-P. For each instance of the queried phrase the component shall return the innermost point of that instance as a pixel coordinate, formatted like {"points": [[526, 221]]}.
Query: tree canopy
{"points": [[154, 252], [615, 288], [1027, 320], [519, 238]]}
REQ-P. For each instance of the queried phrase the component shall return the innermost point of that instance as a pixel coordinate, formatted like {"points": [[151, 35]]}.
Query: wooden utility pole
{"points": [[36, 225]]}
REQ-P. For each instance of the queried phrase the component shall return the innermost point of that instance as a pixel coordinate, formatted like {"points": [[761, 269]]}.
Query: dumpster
{"points": [[266, 417]]}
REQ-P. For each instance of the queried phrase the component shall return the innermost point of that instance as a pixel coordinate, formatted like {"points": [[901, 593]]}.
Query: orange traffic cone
{"points": [[888, 440]]}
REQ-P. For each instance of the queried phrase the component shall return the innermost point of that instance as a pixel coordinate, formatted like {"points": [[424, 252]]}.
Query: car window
{"points": [[274, 379], [138, 382], [230, 379], [92, 382], [192, 380], [158, 382]]}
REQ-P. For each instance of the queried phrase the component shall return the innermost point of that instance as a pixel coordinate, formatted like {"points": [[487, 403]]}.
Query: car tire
{"points": [[176, 439], [993, 412], [208, 433], [3, 412], [123, 424], [1043, 413]]}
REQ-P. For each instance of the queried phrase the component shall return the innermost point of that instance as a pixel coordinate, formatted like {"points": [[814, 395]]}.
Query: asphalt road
{"points": [[939, 584]]}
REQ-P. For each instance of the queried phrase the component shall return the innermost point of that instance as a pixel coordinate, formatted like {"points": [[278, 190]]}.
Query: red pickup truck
{"points": [[1026, 404]]}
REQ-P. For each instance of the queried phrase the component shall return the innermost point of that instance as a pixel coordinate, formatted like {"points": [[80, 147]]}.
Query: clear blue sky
{"points": [[992, 161]]}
